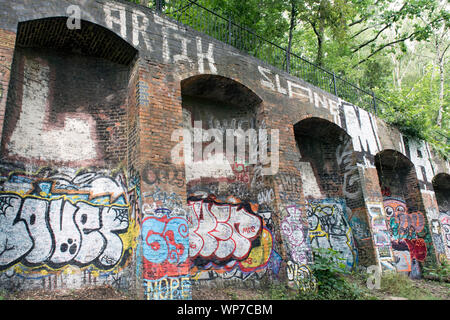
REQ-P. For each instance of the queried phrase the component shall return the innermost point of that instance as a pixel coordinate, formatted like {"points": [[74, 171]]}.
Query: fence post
{"points": [[288, 61], [159, 5], [334, 83], [374, 103], [229, 31]]}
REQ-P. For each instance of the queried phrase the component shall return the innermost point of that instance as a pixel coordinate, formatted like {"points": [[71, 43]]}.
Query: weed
{"points": [[333, 281], [440, 271], [398, 284]]}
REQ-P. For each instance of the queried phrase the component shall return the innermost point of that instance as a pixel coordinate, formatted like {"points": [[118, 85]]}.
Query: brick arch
{"points": [[220, 103], [441, 181], [406, 216], [219, 88], [321, 128], [67, 83], [224, 181], [394, 158], [328, 157], [397, 178], [326, 146], [91, 39]]}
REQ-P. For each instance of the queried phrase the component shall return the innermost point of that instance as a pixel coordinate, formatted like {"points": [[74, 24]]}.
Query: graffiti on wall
{"points": [[444, 218], [344, 155], [195, 53], [158, 176], [63, 220], [165, 246], [402, 224], [168, 288], [437, 232], [221, 231], [329, 228], [156, 198], [301, 276], [225, 237], [289, 186], [405, 230], [295, 233], [381, 236]]}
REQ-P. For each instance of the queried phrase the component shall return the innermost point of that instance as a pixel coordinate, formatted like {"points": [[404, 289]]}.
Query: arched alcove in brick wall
{"points": [[228, 237], [67, 198], [405, 215], [335, 206], [441, 226], [216, 104], [68, 99]]}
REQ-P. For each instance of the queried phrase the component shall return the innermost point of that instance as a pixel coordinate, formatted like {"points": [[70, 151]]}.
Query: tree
{"points": [[321, 16]]}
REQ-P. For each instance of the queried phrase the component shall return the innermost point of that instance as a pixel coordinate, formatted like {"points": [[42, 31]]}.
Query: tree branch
{"points": [[371, 40], [384, 46]]}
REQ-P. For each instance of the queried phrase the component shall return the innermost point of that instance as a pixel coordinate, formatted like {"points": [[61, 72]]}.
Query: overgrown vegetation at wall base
{"points": [[440, 272], [330, 273]]}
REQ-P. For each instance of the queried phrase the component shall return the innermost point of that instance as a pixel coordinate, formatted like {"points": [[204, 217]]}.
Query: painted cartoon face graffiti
{"points": [[403, 225], [404, 230]]}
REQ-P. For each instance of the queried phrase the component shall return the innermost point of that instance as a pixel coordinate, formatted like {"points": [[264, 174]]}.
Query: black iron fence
{"points": [[224, 29]]}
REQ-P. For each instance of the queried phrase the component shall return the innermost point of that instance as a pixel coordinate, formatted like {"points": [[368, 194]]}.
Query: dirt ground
{"points": [[439, 291], [98, 293]]}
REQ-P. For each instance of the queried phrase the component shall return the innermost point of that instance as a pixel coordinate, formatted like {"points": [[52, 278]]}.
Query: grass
{"points": [[354, 287], [397, 284], [345, 287]]}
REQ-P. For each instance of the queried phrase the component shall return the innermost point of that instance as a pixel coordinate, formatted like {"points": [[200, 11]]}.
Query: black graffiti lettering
{"points": [[58, 232]]}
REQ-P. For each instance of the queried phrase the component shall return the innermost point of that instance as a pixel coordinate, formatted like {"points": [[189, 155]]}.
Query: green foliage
{"points": [[413, 110], [440, 271], [330, 272], [399, 285], [386, 46]]}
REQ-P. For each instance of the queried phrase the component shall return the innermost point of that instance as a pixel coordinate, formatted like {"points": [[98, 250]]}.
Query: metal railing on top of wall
{"points": [[224, 29]]}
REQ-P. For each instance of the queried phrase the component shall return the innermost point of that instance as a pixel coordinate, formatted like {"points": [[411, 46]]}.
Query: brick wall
{"points": [[7, 40], [109, 98]]}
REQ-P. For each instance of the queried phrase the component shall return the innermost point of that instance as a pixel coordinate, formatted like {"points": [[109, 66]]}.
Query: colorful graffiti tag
{"points": [[166, 246], [63, 220], [329, 228], [444, 217], [165, 256], [404, 229], [381, 236], [225, 236], [293, 229]]}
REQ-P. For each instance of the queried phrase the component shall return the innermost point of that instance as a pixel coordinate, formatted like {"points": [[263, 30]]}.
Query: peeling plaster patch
{"points": [[33, 139]]}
